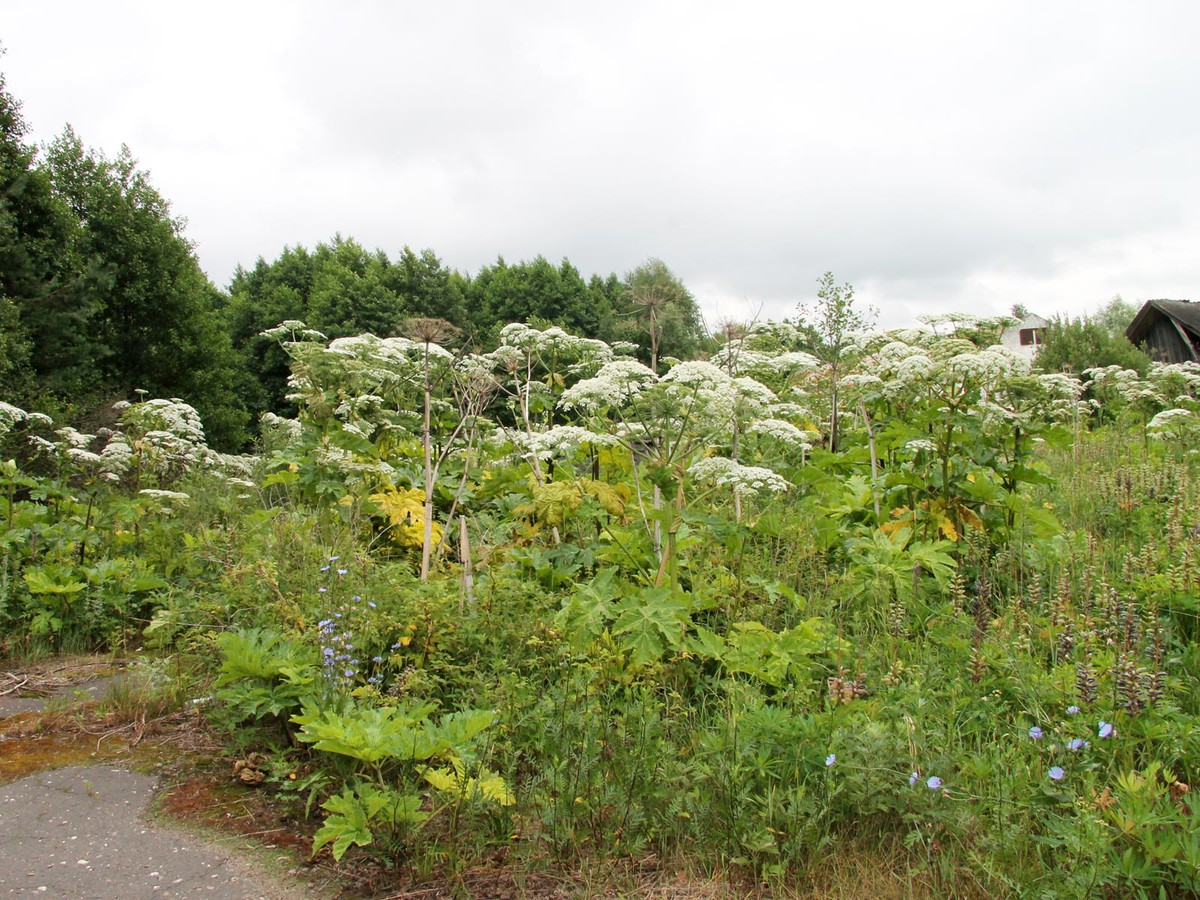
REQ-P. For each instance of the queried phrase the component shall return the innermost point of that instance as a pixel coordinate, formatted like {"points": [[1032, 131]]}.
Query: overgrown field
{"points": [[548, 606]]}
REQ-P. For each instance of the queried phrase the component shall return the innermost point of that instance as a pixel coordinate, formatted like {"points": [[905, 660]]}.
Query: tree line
{"points": [[102, 295]]}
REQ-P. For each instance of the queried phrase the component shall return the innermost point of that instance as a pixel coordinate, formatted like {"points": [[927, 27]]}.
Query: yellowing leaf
{"points": [[948, 530], [489, 786], [557, 501], [405, 510]]}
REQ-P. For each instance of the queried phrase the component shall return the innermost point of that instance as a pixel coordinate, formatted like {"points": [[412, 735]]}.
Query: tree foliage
{"points": [[151, 311], [341, 289], [99, 290], [41, 318], [830, 320], [537, 290], [1072, 345], [660, 313]]}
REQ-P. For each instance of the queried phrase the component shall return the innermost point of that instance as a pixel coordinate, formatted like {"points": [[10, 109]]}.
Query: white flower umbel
{"points": [[1170, 423], [919, 445], [862, 381], [293, 330], [736, 358], [1061, 386], [10, 415], [172, 496], [84, 457], [287, 429], [788, 363], [753, 396], [117, 456], [703, 389], [613, 387], [784, 432], [72, 438], [743, 479], [173, 416], [563, 440]]}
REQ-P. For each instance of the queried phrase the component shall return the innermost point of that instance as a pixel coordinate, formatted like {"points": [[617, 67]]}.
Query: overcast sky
{"points": [[939, 156]]}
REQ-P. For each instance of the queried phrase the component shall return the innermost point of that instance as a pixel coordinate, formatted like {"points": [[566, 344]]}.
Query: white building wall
{"points": [[1011, 338]]}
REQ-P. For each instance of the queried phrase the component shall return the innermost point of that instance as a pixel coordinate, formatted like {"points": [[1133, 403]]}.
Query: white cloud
{"points": [[937, 155]]}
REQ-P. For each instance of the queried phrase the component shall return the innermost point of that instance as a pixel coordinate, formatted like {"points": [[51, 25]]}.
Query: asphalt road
{"points": [[81, 833]]}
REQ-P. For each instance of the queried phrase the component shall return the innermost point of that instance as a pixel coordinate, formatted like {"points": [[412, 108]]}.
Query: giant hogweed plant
{"points": [[957, 418], [76, 566], [386, 748]]}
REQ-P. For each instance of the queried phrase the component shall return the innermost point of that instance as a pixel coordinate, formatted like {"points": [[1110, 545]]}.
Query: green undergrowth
{"points": [[964, 642]]}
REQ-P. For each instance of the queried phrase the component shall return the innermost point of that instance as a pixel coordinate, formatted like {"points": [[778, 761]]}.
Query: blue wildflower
{"points": [[328, 651], [1106, 729], [1072, 710], [342, 571], [1035, 733], [934, 783], [349, 673], [1077, 744], [1056, 773], [377, 659], [914, 778], [320, 590], [371, 603], [334, 558], [324, 568], [830, 759]]}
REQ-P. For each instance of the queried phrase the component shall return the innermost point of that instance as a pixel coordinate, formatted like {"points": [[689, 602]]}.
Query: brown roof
{"points": [[1184, 313]]}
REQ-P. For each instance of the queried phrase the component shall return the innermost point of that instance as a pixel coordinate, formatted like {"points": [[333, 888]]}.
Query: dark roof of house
{"points": [[1184, 313]]}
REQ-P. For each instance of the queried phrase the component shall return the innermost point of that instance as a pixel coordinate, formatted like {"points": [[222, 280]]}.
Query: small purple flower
{"points": [[1035, 733], [324, 568], [830, 760], [320, 590], [1077, 744], [396, 646], [377, 659], [371, 603], [1072, 710], [349, 673], [334, 558], [1056, 773], [934, 783], [328, 651], [914, 778], [1106, 729], [342, 571]]}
